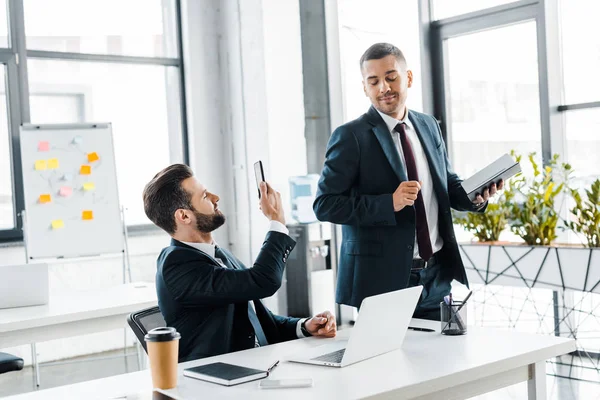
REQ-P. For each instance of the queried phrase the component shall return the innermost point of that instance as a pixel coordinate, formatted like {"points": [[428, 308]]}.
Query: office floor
{"points": [[103, 365]]}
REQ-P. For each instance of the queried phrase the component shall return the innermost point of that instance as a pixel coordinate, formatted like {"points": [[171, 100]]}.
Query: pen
{"points": [[272, 367], [414, 328]]}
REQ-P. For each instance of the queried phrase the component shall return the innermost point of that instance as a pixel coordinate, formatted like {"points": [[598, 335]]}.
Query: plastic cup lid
{"points": [[162, 334]]}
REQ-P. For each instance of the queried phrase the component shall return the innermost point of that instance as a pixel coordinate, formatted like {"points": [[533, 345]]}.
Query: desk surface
{"points": [[427, 363], [22, 324]]}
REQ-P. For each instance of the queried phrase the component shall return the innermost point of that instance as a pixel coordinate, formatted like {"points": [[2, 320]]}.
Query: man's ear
{"points": [[182, 217], [409, 74], [365, 88]]}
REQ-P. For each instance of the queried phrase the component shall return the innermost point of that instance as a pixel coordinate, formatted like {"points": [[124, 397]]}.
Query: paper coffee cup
{"points": [[163, 351]]}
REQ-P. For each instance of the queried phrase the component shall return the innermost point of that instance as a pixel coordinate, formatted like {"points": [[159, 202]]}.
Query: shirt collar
{"points": [[208, 248], [392, 122]]}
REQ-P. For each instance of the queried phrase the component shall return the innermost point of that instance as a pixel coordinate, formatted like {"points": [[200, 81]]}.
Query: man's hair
{"points": [[164, 195], [381, 50]]}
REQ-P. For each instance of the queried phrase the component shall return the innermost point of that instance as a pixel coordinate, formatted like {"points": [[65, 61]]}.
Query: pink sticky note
{"points": [[65, 191], [43, 146]]}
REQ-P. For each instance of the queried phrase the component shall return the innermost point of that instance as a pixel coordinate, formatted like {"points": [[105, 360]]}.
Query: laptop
{"points": [[23, 285], [380, 328]]}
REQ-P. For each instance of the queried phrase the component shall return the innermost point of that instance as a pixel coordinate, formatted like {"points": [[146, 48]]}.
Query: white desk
{"points": [[429, 366], [74, 313]]}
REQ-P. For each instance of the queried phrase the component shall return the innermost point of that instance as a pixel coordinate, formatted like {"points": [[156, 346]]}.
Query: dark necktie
{"points": [[423, 239], [258, 330]]}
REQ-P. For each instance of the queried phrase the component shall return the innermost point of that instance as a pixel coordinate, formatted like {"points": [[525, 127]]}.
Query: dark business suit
{"points": [[208, 303], [361, 172]]}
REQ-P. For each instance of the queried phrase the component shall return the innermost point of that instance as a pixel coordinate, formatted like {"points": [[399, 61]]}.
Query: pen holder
{"points": [[454, 318]]}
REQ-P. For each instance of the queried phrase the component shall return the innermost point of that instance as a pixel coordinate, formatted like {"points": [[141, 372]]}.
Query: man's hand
{"points": [[322, 324], [488, 192], [406, 194], [270, 203]]}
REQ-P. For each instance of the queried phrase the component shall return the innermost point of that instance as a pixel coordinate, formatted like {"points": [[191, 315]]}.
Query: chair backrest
{"points": [[143, 321]]}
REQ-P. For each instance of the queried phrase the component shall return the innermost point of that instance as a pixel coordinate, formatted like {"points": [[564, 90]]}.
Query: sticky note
{"points": [[77, 140], [89, 186], [85, 170], [53, 163], [93, 157], [65, 191], [87, 215], [67, 177], [40, 165], [58, 223], [45, 198], [43, 146]]}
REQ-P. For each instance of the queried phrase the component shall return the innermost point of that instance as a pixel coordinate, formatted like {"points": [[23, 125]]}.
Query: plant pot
{"points": [[515, 264]]}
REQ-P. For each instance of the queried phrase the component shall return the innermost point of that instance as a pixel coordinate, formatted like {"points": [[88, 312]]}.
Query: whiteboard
{"points": [[71, 197]]}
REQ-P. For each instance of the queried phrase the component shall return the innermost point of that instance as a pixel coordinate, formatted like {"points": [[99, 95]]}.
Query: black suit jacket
{"points": [[361, 172], [208, 304]]}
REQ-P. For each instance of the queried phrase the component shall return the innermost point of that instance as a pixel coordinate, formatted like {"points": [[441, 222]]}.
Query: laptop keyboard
{"points": [[333, 357]]}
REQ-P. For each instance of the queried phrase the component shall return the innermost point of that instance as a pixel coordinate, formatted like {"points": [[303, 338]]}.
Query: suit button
{"points": [[409, 247], [284, 259]]}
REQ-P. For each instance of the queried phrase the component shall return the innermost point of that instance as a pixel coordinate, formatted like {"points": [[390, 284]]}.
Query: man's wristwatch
{"points": [[303, 328]]}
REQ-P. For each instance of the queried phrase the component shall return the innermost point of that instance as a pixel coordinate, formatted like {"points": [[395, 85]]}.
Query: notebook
{"points": [[225, 374], [503, 168]]}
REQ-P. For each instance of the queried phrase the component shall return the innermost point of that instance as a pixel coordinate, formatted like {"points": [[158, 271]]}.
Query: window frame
{"points": [[17, 89]]}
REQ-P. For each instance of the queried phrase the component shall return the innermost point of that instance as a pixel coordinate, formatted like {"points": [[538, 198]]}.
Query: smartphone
{"points": [[259, 174], [285, 383]]}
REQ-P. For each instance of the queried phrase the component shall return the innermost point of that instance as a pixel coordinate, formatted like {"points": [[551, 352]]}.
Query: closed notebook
{"points": [[225, 374], [503, 168]]}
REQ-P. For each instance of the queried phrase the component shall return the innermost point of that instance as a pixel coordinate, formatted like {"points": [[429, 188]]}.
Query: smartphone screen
{"points": [[259, 175], [285, 383]]}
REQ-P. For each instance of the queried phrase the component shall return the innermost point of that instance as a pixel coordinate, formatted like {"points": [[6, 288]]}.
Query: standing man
{"points": [[388, 181]]}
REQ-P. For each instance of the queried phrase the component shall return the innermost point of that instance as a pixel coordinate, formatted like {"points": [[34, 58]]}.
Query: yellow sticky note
{"points": [[53, 163], [93, 157], [58, 223], [45, 198], [89, 186], [87, 215], [40, 165], [85, 170]]}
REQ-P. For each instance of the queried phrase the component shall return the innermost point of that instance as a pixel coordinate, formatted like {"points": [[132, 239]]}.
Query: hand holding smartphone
{"points": [[259, 174]]}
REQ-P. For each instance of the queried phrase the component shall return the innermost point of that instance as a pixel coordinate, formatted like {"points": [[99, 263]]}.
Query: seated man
{"points": [[206, 293]]}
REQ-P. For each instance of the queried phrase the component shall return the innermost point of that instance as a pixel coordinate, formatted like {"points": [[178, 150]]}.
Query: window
{"points": [[581, 50], [131, 27], [139, 114], [494, 103], [446, 9], [93, 61], [357, 33]]}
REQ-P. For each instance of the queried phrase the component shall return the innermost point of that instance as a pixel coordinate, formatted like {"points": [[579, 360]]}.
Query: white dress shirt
{"points": [[209, 248], [429, 198]]}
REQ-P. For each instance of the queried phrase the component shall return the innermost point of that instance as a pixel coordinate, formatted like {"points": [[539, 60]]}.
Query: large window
{"points": [[446, 9], [493, 101], [581, 63], [93, 61]]}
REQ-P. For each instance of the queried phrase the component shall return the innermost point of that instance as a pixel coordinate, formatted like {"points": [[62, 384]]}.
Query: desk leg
{"points": [[36, 365], [536, 385]]}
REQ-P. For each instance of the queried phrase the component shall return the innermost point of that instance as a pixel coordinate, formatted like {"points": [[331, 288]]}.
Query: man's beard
{"points": [[208, 223]]}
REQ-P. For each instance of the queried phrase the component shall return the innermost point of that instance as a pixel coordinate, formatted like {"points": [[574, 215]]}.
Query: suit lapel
{"points": [[429, 147], [387, 143]]}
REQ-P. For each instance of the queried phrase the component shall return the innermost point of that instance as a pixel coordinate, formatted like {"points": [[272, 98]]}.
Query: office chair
{"points": [[143, 321], [9, 363]]}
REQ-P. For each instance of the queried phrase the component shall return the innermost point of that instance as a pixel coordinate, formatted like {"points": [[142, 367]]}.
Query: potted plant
{"points": [[533, 213], [528, 207], [586, 214]]}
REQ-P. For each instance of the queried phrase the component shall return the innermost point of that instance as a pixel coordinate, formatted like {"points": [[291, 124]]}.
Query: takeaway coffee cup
{"points": [[163, 351]]}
